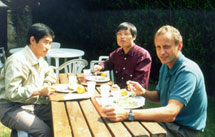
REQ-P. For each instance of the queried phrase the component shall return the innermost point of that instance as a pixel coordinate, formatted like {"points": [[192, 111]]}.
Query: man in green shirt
{"points": [[180, 90], [25, 79]]}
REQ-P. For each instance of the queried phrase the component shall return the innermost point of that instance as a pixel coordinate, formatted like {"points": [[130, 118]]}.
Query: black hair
{"points": [[39, 30], [126, 26]]}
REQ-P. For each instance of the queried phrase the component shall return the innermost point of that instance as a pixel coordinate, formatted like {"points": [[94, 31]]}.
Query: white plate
{"points": [[97, 78], [139, 102], [63, 89]]}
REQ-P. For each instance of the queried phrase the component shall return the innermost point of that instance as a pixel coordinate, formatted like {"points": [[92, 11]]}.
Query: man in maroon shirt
{"points": [[129, 61]]}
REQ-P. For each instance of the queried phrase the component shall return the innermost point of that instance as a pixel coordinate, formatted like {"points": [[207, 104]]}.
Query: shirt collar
{"points": [[33, 57], [177, 64], [130, 52]]}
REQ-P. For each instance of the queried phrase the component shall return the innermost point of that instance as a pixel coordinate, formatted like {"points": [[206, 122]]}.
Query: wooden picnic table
{"points": [[82, 118]]}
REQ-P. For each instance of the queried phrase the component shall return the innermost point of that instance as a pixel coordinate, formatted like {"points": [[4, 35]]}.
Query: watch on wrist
{"points": [[131, 116]]}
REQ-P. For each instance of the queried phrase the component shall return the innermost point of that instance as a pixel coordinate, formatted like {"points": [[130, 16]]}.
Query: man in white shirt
{"points": [[25, 79]]}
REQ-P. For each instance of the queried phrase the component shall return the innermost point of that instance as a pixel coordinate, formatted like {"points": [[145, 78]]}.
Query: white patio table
{"points": [[57, 54], [64, 53]]}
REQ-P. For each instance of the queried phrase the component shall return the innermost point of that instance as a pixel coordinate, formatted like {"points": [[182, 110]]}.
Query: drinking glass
{"points": [[105, 92], [86, 72], [72, 80], [91, 85]]}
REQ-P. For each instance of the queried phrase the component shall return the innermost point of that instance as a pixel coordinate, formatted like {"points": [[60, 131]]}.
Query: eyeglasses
{"points": [[123, 34]]}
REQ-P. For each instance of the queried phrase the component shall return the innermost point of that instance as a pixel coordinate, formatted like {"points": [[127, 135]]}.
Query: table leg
{"points": [[57, 64], [48, 60]]}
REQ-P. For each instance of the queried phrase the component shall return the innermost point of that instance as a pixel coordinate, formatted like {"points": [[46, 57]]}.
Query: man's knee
{"points": [[40, 131]]}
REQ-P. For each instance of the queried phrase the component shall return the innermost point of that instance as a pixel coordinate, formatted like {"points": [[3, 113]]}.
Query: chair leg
{"points": [[21, 133], [13, 133]]}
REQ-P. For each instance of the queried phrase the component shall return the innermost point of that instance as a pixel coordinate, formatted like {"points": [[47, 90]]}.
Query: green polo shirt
{"points": [[185, 82]]}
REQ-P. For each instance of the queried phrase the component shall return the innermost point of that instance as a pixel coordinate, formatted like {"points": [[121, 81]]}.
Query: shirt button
{"points": [[116, 71], [123, 68], [122, 78], [131, 75], [125, 58]]}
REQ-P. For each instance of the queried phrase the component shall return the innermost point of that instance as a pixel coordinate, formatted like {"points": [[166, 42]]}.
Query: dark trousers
{"points": [[175, 130], [34, 119]]}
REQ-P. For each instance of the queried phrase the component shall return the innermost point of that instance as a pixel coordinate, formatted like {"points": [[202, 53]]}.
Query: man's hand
{"points": [[136, 87], [97, 68], [115, 114], [46, 91]]}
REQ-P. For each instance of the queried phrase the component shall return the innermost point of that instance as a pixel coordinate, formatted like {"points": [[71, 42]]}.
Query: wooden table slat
{"points": [[118, 129], [60, 121], [63, 79], [77, 120], [155, 129], [94, 120], [136, 129]]}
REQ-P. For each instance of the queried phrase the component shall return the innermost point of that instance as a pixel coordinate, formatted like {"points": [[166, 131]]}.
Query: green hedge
{"points": [[90, 26]]}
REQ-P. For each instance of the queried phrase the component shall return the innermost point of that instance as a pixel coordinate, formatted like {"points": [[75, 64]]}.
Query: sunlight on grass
{"points": [[4, 131]]}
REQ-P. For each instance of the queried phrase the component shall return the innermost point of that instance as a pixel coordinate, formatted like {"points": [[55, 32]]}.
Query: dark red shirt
{"points": [[135, 66]]}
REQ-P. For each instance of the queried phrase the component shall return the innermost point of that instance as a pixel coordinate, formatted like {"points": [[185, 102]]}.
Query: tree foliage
{"points": [[90, 25]]}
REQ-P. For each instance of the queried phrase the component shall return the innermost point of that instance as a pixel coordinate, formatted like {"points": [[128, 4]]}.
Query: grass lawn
{"points": [[4, 131], [209, 131]]}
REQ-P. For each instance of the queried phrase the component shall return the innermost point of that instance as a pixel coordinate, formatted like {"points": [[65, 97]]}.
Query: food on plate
{"points": [[103, 74], [115, 87], [123, 92], [133, 94], [125, 102], [72, 87], [99, 78], [80, 89], [125, 99]]}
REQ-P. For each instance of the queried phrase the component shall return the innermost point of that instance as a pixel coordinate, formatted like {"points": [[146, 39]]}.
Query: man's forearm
{"points": [[152, 96], [36, 92]]}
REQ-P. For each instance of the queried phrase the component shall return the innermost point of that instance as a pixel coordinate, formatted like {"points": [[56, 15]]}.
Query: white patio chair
{"points": [[73, 66], [2, 57], [102, 58], [54, 45]]}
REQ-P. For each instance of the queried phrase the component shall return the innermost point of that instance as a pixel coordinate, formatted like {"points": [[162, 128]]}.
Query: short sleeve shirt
{"points": [[185, 82]]}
